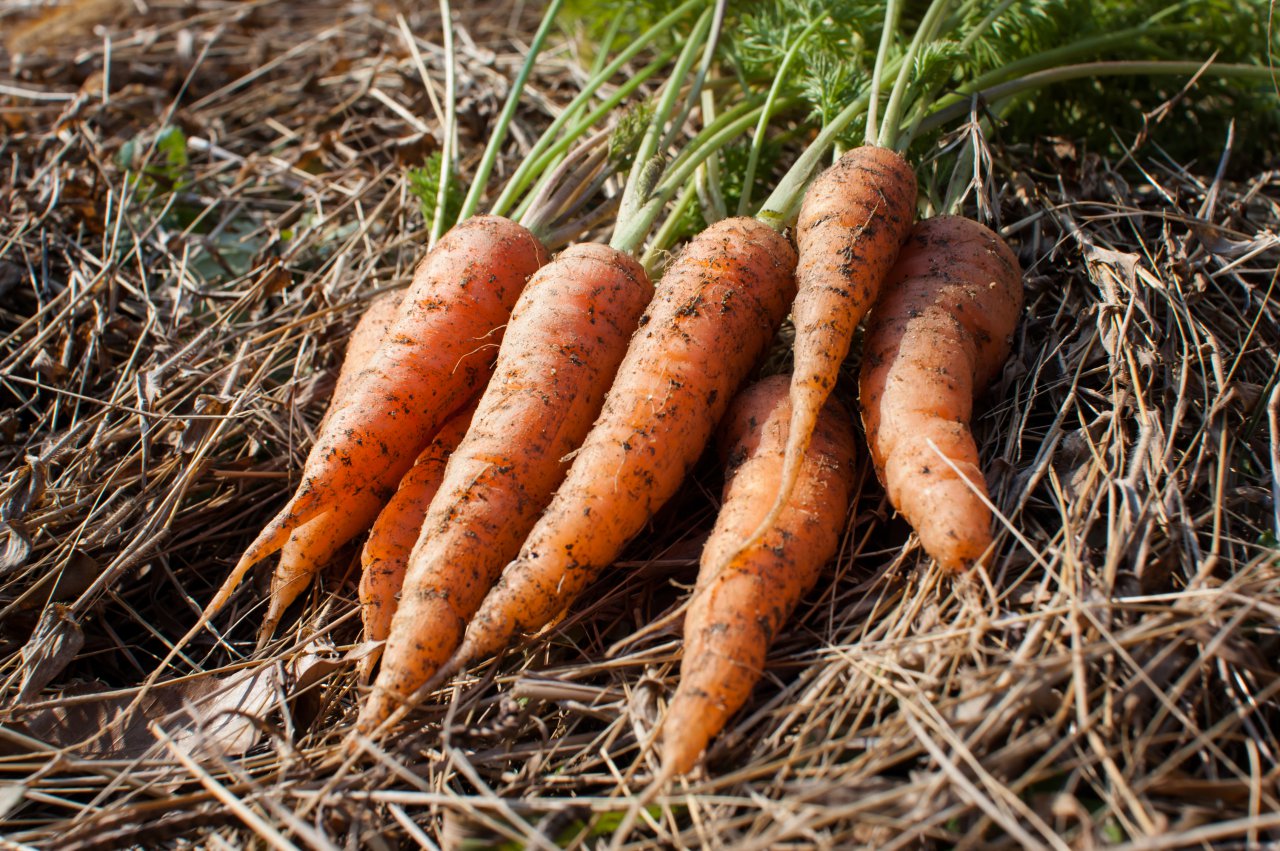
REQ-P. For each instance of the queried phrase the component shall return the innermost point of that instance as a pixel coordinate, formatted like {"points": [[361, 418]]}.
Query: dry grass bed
{"points": [[170, 319]]}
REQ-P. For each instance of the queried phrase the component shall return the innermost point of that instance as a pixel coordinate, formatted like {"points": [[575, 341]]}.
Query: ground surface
{"points": [[168, 340]]}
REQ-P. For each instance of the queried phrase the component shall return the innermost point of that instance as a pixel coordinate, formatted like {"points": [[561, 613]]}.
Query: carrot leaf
{"points": [[424, 184]]}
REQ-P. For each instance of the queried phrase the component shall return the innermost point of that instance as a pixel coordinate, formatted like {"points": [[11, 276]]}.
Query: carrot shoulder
{"points": [[736, 612], [715, 311], [938, 335], [432, 360], [853, 221], [385, 556], [567, 335]]}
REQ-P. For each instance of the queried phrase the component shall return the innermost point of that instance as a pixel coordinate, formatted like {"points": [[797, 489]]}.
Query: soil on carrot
{"points": [[197, 201]]}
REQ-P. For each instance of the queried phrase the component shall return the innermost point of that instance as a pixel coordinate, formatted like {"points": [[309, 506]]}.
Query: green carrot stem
{"points": [[1118, 68], [891, 12], [724, 130], [708, 174], [573, 122], [784, 202], [929, 102], [525, 173], [499, 135], [680, 174], [893, 111], [450, 118], [666, 234], [632, 226], [766, 114], [731, 116], [1057, 57], [704, 68], [542, 165]]}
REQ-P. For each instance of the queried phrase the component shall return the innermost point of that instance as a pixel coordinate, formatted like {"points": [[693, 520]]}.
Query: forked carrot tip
{"points": [[281, 599]]}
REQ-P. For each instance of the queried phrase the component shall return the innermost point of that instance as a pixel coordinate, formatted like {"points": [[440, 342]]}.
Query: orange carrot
{"points": [[365, 340], [433, 359], [385, 556], [567, 335], [715, 311], [938, 335], [736, 612], [310, 546], [854, 219]]}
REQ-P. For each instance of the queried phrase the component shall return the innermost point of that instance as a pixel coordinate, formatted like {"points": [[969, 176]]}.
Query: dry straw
{"points": [[169, 323]]}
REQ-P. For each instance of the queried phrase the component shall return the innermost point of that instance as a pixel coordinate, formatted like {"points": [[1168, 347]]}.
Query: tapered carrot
{"points": [[432, 360], [938, 335], [715, 311], [853, 221], [567, 335], [385, 555], [735, 613], [312, 544]]}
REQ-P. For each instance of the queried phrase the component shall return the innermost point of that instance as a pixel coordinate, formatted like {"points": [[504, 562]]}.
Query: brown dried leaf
{"points": [[193, 434], [11, 795], [11, 275], [46, 366], [1123, 262], [17, 546], [54, 643], [1215, 243], [205, 715], [77, 574], [24, 491]]}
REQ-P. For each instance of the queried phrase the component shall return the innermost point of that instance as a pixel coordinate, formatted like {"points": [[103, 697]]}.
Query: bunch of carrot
{"points": [[498, 490]]}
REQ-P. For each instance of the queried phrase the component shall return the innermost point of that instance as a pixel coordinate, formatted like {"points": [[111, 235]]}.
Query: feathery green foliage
{"points": [[834, 57], [424, 184], [627, 135]]}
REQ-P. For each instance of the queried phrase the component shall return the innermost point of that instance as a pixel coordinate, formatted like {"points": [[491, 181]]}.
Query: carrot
{"points": [[567, 335], [310, 545], [557, 372], [434, 357], [853, 221], [735, 613], [385, 555], [714, 313], [938, 335], [362, 345]]}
